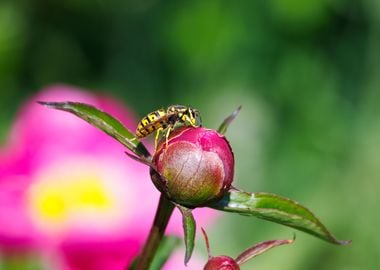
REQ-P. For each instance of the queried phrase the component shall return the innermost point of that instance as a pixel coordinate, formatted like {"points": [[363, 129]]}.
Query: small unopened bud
{"points": [[228, 263], [221, 263], [197, 165]]}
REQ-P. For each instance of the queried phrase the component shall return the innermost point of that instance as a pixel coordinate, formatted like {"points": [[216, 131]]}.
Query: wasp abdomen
{"points": [[150, 123]]}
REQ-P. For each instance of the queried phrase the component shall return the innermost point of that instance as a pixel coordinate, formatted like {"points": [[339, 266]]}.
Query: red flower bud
{"points": [[221, 263], [197, 165]]}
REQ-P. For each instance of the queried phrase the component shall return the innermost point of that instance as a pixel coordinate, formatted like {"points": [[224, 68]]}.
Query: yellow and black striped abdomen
{"points": [[151, 122]]}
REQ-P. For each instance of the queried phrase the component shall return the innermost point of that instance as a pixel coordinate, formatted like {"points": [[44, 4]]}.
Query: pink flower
{"points": [[68, 191]]}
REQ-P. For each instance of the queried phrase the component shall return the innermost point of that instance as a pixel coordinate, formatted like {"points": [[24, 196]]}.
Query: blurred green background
{"points": [[307, 74]]}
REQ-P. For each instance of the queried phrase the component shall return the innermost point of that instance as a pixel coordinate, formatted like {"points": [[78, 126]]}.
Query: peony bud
{"points": [[197, 165], [221, 263]]}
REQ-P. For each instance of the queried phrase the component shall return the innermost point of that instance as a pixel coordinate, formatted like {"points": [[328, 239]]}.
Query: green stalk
{"points": [[164, 211]]}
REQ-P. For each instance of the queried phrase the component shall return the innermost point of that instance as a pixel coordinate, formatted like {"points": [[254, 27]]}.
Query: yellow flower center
{"points": [[75, 194]]}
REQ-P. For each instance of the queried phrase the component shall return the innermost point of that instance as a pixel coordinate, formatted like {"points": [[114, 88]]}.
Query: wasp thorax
{"points": [[221, 263], [197, 166], [162, 119]]}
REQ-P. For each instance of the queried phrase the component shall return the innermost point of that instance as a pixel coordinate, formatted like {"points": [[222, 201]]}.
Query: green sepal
{"points": [[189, 228], [103, 121], [226, 123], [276, 209], [260, 248]]}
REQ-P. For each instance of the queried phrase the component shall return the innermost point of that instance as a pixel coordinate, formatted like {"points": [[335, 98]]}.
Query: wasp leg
{"points": [[188, 120], [169, 129], [156, 139]]}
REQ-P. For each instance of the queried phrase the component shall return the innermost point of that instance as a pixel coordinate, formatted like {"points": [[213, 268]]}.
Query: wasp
{"points": [[162, 119]]}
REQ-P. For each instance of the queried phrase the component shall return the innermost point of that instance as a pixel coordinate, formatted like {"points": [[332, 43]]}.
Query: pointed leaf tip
{"points": [[276, 209], [104, 122], [189, 227], [226, 122]]}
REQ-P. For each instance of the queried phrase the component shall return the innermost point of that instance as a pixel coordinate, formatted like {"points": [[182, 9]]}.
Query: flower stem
{"points": [[164, 211]]}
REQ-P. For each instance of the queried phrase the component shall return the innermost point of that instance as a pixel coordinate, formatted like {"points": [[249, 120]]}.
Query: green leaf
{"points": [[189, 227], [103, 121], [164, 251], [226, 123], [166, 248], [277, 209]]}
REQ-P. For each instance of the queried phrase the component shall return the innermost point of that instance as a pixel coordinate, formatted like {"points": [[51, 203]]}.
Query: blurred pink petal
{"points": [[176, 262], [68, 190]]}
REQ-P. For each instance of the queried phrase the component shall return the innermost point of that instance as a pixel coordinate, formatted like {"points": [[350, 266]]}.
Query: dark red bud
{"points": [[198, 165], [221, 263]]}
